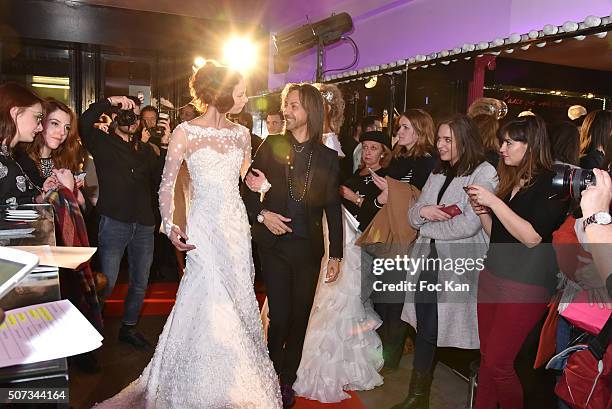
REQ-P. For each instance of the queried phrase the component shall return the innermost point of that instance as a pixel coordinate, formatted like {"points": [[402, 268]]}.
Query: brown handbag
{"points": [[389, 232]]}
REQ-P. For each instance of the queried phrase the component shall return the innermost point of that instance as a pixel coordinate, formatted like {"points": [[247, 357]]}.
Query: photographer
{"points": [[154, 130], [128, 172], [595, 228]]}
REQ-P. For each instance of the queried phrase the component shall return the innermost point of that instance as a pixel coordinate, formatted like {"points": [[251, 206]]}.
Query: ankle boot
{"points": [[418, 395]]}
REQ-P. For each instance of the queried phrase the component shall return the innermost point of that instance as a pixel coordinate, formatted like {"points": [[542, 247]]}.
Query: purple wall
{"points": [[400, 29]]}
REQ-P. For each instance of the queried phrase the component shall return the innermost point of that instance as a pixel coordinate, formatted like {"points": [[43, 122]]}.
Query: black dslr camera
{"points": [[569, 182], [126, 117], [157, 131]]}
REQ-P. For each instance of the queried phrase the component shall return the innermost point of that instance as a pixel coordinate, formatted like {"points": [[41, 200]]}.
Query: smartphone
{"points": [[452, 210], [14, 266]]}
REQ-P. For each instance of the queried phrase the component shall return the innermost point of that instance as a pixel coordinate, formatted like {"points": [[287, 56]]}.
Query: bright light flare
{"points": [[199, 62], [240, 54]]}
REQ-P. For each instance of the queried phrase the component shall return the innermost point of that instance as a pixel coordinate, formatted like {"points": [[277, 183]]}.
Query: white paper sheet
{"points": [[66, 257], [45, 331]]}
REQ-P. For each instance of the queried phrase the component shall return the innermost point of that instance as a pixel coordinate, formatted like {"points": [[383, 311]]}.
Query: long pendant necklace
{"points": [[305, 181]]}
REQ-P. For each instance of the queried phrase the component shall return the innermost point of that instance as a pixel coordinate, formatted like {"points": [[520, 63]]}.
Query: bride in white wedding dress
{"points": [[211, 352]]}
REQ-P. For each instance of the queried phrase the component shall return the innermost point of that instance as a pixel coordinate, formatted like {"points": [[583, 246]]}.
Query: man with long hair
{"points": [[303, 174]]}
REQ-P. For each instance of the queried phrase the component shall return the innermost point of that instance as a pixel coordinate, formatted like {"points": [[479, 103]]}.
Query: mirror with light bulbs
{"points": [[559, 81], [559, 72]]}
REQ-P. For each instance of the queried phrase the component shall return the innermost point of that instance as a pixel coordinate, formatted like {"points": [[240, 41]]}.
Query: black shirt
{"points": [[509, 258], [29, 167], [348, 145], [128, 173], [365, 187], [256, 142], [413, 170], [593, 159], [301, 154], [492, 158], [15, 187]]}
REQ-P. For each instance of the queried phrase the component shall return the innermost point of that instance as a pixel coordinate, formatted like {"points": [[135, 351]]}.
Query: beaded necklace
{"points": [[305, 180]]}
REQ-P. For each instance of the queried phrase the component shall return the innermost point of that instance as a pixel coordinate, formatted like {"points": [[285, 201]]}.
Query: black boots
{"points": [[418, 396], [128, 334]]}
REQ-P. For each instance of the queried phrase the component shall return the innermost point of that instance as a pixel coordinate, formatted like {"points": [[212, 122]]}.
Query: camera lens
{"points": [[569, 182], [126, 117]]}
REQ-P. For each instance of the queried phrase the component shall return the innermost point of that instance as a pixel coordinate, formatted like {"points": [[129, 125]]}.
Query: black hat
{"points": [[375, 136]]}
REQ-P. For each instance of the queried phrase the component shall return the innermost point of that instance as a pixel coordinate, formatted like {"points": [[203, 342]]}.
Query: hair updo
{"points": [[334, 105], [213, 85]]}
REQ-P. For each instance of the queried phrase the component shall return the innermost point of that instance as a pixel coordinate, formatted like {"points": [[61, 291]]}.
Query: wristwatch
{"points": [[260, 216], [602, 218]]}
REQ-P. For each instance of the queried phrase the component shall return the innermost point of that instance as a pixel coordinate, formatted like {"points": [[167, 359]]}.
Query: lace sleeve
{"points": [[175, 156], [246, 162]]}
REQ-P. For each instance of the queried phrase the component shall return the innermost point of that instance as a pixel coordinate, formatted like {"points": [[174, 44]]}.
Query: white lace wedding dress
{"points": [[211, 352], [342, 351]]}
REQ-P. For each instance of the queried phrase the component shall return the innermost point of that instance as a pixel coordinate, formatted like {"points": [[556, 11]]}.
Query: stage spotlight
{"points": [[199, 62], [319, 34], [240, 54]]}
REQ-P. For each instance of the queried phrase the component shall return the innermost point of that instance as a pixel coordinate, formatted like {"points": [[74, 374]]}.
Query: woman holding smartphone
{"points": [[412, 162], [449, 230], [521, 267], [359, 191]]}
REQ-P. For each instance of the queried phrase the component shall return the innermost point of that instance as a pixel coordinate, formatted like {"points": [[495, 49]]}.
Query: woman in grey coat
{"points": [[447, 256]]}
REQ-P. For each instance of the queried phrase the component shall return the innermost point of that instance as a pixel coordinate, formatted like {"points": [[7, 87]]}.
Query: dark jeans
{"points": [[426, 339], [290, 274], [114, 237], [393, 332]]}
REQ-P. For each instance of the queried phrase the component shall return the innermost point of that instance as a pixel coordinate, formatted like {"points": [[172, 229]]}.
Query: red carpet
{"points": [[159, 300], [353, 403]]}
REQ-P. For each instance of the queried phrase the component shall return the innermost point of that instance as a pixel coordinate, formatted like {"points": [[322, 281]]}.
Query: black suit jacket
{"points": [[323, 182]]}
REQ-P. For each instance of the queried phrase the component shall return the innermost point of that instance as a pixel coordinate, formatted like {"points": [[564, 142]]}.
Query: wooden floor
{"points": [[121, 364]]}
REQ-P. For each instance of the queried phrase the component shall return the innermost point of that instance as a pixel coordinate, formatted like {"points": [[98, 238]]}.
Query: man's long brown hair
{"points": [[69, 155], [532, 131], [312, 101]]}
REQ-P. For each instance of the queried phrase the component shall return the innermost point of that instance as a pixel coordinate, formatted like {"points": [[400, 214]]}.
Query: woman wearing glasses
{"points": [[21, 116]]}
